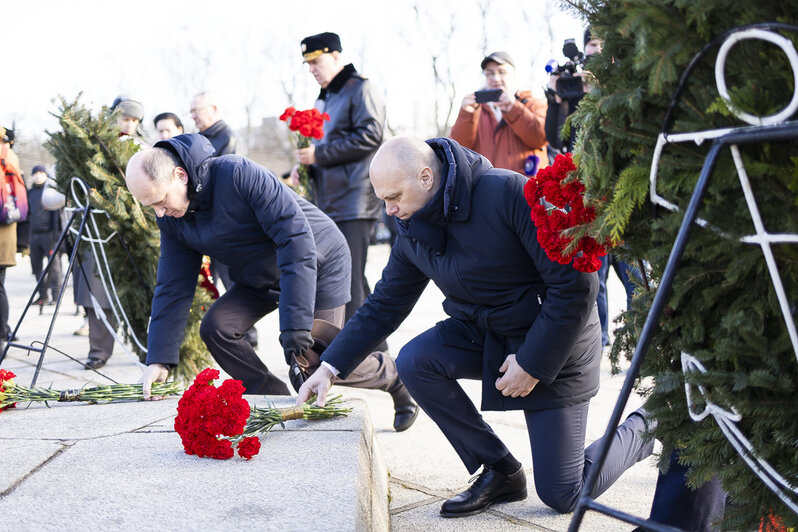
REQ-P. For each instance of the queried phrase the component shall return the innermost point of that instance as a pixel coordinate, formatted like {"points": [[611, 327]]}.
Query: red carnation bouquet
{"points": [[306, 125], [12, 393], [212, 421], [557, 203]]}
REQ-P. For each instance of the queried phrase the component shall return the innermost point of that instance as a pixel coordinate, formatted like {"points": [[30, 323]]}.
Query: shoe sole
{"points": [[513, 497]]}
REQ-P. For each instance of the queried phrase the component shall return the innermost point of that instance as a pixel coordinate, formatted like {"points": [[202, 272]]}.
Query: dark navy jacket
{"points": [[476, 241], [241, 215]]}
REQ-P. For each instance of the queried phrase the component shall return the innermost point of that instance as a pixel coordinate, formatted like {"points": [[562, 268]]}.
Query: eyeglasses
{"points": [[501, 73]]}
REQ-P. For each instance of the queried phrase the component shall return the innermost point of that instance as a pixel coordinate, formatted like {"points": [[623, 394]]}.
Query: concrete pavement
{"points": [[422, 468]]}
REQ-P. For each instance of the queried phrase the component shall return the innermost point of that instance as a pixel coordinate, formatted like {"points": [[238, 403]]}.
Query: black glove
{"points": [[295, 343]]}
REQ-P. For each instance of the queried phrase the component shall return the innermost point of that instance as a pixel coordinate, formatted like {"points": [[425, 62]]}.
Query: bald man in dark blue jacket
{"points": [[526, 326], [279, 247]]}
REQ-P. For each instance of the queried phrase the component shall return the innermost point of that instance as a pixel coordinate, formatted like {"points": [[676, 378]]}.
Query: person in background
{"points": [[129, 114], [13, 208], [508, 131], [208, 119], [90, 292], [45, 228], [168, 125], [340, 160]]}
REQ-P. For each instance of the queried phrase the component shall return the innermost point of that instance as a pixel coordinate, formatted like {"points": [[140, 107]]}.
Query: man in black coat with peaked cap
{"points": [[340, 160], [525, 326]]}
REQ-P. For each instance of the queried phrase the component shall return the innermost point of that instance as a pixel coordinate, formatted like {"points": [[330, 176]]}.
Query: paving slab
{"points": [[121, 466]]}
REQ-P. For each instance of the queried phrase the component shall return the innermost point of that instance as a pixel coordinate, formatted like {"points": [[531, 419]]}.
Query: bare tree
{"points": [[484, 7], [443, 78]]}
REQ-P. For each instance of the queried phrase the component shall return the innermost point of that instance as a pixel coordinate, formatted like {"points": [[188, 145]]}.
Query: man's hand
{"points": [[553, 86], [506, 101], [295, 343], [515, 382], [294, 175], [319, 383], [307, 155], [469, 104], [153, 373]]}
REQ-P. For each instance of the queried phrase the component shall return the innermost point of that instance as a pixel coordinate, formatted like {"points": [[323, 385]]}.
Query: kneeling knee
{"points": [[563, 503], [404, 365], [208, 327]]}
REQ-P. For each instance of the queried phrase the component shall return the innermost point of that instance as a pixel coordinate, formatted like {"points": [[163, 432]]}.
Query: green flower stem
{"points": [[263, 419], [13, 393]]}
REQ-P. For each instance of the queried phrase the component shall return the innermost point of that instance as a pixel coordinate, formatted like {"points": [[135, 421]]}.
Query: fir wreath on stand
{"points": [[723, 309], [89, 147]]}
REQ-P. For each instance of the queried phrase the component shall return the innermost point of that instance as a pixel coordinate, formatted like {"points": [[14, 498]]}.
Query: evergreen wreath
{"points": [[88, 147], [723, 309]]}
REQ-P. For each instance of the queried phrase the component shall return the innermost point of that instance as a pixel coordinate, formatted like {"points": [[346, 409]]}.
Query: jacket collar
{"points": [[215, 129], [338, 81], [196, 154]]}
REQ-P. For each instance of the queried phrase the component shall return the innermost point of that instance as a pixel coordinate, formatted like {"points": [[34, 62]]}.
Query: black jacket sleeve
{"points": [[385, 309], [178, 269], [367, 112]]}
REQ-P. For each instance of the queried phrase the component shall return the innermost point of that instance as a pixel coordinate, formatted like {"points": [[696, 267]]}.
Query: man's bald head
{"points": [[155, 178], [405, 173]]}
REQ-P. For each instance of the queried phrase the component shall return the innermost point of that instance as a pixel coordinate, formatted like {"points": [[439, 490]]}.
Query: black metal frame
{"points": [[84, 212], [742, 135]]}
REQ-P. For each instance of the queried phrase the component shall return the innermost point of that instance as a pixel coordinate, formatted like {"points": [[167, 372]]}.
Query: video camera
{"points": [[569, 85]]}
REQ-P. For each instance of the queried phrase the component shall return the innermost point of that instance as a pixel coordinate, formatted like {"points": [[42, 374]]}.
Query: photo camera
{"points": [[569, 85]]}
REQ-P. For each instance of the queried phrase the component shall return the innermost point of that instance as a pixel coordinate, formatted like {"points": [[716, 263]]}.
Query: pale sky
{"points": [[247, 52]]}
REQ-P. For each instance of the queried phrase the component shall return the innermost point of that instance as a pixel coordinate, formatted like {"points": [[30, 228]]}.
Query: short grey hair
{"points": [[158, 165]]}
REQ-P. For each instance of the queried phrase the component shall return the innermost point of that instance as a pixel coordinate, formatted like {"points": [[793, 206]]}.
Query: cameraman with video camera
{"points": [[566, 88], [501, 123]]}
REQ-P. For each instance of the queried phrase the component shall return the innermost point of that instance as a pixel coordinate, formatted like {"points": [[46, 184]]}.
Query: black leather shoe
{"points": [[404, 408], [404, 417], [490, 487], [94, 363]]}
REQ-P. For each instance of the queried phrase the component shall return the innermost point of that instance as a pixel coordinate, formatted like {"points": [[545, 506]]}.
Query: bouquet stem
{"points": [[263, 419], [12, 393]]}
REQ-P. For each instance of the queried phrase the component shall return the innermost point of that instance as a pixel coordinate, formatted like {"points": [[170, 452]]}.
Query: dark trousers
{"points": [[678, 505], [221, 272], [101, 341], [223, 329], [560, 461], [357, 234], [624, 271], [41, 248]]}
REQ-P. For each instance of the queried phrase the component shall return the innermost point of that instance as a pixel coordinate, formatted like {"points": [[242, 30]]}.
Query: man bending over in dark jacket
{"points": [[525, 326], [278, 246]]}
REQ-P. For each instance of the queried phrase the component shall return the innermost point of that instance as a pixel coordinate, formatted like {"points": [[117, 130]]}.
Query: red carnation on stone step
{"points": [[248, 448], [209, 419]]}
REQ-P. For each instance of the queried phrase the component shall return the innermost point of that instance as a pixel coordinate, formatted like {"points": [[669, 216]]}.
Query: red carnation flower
{"points": [[551, 186], [210, 419], [249, 447], [6, 377]]}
